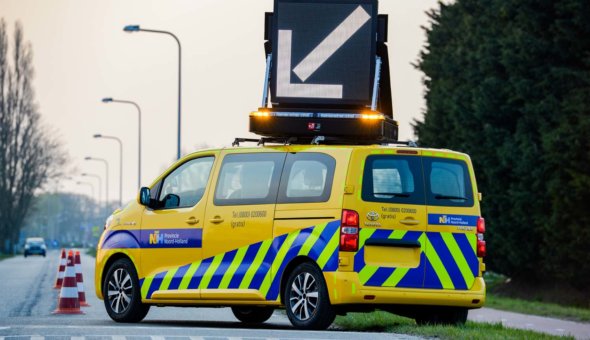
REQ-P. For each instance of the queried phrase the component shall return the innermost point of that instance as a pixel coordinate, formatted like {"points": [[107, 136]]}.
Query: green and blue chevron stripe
{"points": [[447, 261], [257, 266], [451, 261]]}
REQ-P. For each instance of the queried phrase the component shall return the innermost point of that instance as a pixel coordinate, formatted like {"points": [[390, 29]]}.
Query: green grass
{"points": [[91, 251], [498, 285], [5, 256], [538, 308], [386, 322]]}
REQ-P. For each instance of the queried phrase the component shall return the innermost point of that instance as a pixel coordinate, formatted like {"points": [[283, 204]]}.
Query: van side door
{"points": [[238, 247], [172, 228]]}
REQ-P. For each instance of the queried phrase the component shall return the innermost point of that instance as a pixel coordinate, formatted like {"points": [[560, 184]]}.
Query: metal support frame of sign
{"points": [[266, 81], [376, 83]]}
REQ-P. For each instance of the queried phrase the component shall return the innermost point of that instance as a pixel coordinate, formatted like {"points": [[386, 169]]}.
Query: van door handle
{"points": [[216, 220], [409, 222], [192, 220]]}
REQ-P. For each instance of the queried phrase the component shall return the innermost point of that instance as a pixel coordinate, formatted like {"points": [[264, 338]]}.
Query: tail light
{"points": [[349, 231], [481, 243]]}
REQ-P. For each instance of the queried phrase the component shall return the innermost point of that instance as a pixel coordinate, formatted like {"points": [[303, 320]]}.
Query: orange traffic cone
{"points": [[60, 270], [80, 280], [68, 302]]}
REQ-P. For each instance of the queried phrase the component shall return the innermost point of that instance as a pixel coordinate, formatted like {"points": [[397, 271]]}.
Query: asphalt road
{"points": [[27, 300]]}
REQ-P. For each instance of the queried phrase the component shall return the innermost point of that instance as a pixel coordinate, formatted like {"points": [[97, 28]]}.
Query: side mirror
{"points": [[144, 196]]}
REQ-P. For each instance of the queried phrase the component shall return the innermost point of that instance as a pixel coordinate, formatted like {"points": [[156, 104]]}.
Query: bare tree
{"points": [[29, 155]]}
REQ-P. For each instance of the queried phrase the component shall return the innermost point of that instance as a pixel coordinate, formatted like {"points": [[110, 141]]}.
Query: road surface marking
{"points": [[77, 338], [37, 338], [158, 337]]}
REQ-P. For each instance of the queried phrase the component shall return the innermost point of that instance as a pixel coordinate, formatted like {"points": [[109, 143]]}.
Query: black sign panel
{"points": [[323, 52]]}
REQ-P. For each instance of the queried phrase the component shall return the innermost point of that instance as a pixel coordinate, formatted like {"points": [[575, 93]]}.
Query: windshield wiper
{"points": [[447, 197], [394, 194]]}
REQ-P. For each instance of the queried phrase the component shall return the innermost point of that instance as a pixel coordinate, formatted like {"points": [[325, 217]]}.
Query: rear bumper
{"points": [[344, 288], [34, 252]]}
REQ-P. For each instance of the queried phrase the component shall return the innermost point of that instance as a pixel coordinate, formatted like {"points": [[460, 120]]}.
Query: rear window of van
{"points": [[417, 180], [393, 179], [447, 182]]}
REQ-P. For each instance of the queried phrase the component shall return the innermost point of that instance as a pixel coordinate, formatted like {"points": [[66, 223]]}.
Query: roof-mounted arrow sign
{"points": [[332, 44]]}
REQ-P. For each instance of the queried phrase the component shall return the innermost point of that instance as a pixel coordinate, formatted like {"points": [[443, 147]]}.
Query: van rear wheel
{"points": [[453, 316], [252, 315], [306, 298]]}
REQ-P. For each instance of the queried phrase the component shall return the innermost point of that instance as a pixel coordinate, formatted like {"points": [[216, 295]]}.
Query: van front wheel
{"points": [[306, 298], [122, 298], [252, 315]]}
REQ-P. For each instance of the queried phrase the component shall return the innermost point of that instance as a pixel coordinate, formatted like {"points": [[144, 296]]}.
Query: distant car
{"points": [[35, 246]]}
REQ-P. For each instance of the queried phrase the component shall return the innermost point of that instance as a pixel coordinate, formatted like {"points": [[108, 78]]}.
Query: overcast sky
{"points": [[81, 55]]}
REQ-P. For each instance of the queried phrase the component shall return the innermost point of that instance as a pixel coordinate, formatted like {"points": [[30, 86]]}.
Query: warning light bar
{"points": [[362, 127]]}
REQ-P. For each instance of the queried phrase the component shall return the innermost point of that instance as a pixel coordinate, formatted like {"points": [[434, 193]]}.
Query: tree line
{"points": [[508, 82], [29, 152]]}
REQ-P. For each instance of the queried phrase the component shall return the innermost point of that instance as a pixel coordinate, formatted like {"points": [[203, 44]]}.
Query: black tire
{"points": [[252, 315], [452, 316], [306, 298], [25, 255], [122, 280]]}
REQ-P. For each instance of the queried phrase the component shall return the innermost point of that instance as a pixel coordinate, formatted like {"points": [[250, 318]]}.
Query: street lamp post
{"points": [[99, 184], [106, 167], [120, 163], [111, 100], [136, 28]]}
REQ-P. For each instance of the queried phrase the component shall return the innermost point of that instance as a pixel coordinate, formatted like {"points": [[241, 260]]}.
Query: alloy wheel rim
{"points": [[303, 296], [120, 290]]}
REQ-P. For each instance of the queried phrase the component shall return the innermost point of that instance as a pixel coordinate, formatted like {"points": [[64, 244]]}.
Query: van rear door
{"points": [[392, 217], [453, 212]]}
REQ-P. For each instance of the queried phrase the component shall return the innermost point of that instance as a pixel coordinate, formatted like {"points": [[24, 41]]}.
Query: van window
{"points": [[448, 182], [307, 178], [249, 179], [185, 186], [393, 179]]}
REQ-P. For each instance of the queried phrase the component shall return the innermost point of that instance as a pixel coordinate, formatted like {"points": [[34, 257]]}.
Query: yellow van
{"points": [[319, 230]]}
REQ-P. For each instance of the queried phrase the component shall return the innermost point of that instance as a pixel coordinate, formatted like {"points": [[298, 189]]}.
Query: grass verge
{"points": [[387, 322], [538, 308], [5, 256], [91, 251], [500, 296]]}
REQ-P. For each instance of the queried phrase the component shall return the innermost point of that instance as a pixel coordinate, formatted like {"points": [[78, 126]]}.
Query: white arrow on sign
{"points": [[331, 43], [316, 58]]}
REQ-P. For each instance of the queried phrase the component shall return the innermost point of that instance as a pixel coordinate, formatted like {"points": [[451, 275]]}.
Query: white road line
{"points": [[37, 338], [118, 337], [76, 338], [196, 338], [157, 337]]}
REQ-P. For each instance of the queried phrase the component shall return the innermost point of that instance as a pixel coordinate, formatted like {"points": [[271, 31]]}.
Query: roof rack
{"points": [[263, 140], [320, 140]]}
